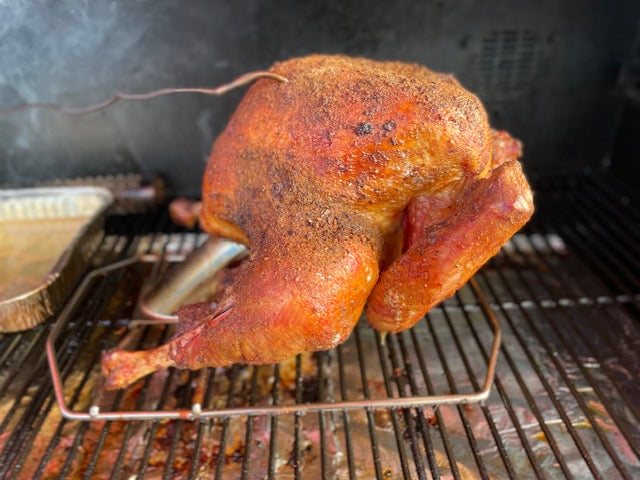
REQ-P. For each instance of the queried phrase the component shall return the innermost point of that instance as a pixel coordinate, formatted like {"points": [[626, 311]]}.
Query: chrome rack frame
{"points": [[197, 412]]}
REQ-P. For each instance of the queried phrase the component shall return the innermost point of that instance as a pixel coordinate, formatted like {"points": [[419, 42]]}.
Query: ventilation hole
{"points": [[506, 65]]}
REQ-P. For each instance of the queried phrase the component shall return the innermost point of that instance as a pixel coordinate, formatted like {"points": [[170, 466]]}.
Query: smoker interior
{"points": [[560, 76], [565, 402]]}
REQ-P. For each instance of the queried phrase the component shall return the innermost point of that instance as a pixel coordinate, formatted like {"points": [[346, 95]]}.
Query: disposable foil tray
{"points": [[46, 238]]}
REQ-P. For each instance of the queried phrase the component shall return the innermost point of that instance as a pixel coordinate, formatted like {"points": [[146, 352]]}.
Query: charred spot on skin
{"points": [[364, 128], [390, 125]]}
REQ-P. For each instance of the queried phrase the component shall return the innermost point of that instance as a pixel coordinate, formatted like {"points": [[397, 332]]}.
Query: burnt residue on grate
{"points": [[565, 401]]}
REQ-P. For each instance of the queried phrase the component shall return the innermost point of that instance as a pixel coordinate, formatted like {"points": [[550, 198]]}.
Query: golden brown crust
{"points": [[355, 132]]}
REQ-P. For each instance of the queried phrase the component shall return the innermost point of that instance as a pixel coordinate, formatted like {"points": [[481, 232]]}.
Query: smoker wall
{"points": [[546, 71]]}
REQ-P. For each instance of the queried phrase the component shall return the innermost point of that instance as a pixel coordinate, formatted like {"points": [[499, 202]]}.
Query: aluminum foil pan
{"points": [[46, 238]]}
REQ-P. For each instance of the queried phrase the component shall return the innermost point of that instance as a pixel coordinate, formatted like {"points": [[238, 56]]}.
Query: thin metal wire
{"points": [[238, 82]]}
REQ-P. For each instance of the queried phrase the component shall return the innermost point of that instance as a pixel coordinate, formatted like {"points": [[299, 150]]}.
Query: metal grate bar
{"points": [[17, 365], [367, 395], [324, 460], [225, 423], [183, 401], [549, 390], [273, 437], [297, 443], [440, 422], [119, 463], [463, 416], [424, 429], [129, 243], [248, 439], [578, 285], [570, 384], [209, 375], [630, 401], [56, 437], [585, 245], [156, 423], [624, 232], [620, 198], [8, 346], [486, 412], [142, 397], [506, 401], [118, 398], [596, 353], [79, 435], [34, 412], [553, 444], [345, 416], [111, 284], [403, 376], [408, 420], [101, 440], [609, 243]]}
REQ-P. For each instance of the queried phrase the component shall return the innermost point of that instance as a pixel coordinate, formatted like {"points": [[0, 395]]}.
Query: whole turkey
{"points": [[355, 184]]}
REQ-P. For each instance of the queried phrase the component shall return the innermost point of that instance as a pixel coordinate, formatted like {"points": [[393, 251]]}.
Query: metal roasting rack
{"points": [[196, 411], [565, 400]]}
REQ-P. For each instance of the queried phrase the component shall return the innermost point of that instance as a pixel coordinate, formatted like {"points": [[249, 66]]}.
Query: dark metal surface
{"points": [[565, 402], [545, 70]]}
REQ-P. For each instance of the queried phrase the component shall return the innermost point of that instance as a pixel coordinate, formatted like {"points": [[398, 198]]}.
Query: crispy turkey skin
{"points": [[355, 183]]}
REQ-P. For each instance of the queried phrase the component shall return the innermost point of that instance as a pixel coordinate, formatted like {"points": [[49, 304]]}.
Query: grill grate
{"points": [[565, 402]]}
